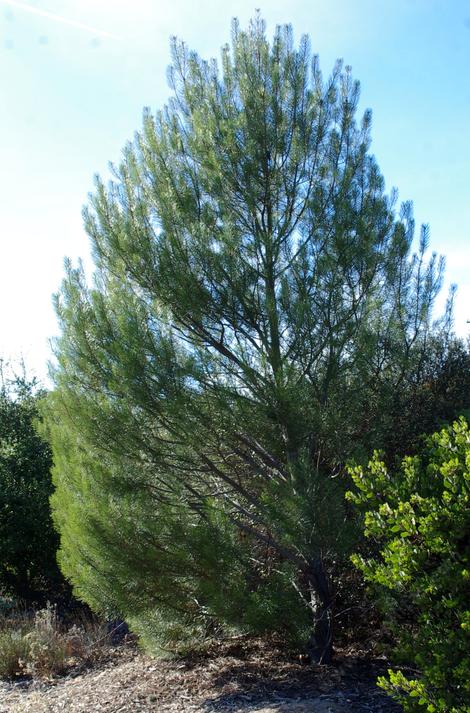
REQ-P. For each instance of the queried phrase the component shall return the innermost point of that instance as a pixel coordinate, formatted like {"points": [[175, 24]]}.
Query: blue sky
{"points": [[75, 75]]}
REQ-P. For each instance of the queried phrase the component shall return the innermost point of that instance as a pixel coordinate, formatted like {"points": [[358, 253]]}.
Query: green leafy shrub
{"points": [[420, 520]]}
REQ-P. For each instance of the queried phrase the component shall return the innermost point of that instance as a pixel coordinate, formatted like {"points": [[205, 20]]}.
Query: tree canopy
{"points": [[254, 312]]}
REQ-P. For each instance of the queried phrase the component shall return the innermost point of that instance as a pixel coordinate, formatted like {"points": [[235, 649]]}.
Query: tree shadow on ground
{"points": [[248, 679]]}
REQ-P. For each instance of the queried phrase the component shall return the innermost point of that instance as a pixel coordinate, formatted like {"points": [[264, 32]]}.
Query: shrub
{"points": [[47, 644], [420, 518], [40, 646], [28, 542], [14, 650]]}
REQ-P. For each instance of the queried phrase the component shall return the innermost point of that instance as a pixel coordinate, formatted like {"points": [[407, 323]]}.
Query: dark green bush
{"points": [[435, 393], [420, 520], [28, 542]]}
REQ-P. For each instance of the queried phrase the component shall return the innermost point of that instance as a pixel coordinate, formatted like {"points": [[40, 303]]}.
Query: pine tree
{"points": [[255, 307]]}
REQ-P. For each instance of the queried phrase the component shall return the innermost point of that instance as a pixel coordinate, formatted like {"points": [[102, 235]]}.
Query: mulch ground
{"points": [[240, 675]]}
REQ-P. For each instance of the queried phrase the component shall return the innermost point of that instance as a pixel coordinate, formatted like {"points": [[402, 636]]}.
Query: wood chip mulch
{"points": [[241, 675]]}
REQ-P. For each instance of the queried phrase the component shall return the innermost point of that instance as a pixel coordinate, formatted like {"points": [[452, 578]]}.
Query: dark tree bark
{"points": [[320, 645]]}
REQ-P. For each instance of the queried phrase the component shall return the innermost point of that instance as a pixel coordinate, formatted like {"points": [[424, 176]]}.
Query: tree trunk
{"points": [[320, 645]]}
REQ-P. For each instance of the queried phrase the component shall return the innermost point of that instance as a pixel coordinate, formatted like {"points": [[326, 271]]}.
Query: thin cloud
{"points": [[58, 18]]}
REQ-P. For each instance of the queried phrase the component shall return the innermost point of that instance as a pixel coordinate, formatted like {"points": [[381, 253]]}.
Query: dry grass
{"points": [[39, 646], [14, 650]]}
